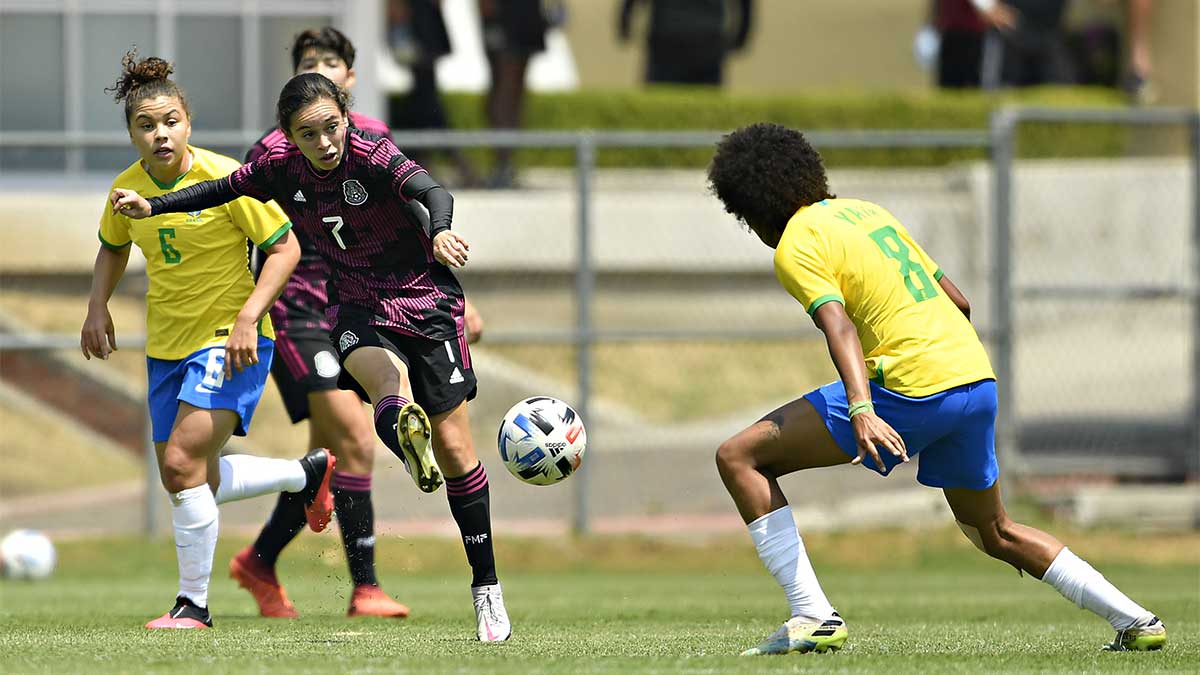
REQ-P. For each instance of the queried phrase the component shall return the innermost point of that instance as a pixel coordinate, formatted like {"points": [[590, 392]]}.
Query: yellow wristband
{"points": [[861, 407]]}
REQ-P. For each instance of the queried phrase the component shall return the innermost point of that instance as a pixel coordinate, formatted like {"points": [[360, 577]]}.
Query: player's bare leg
{"points": [[400, 423], [472, 321], [470, 504], [788, 439], [982, 518], [337, 421]]}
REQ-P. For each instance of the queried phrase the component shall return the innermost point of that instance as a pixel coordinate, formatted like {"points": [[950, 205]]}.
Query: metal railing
{"points": [[1005, 126], [1000, 139]]}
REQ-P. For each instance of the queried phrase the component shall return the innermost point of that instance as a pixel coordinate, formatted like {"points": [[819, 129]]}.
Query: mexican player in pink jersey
{"points": [[396, 307], [306, 374]]}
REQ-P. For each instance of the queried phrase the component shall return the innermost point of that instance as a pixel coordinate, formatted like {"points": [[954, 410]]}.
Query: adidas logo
{"points": [[299, 197], [456, 377]]}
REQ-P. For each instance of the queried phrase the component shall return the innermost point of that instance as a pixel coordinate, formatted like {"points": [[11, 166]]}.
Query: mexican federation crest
{"points": [[355, 193]]}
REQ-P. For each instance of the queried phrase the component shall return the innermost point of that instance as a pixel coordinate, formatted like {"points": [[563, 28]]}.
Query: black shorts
{"points": [[304, 363], [440, 372]]}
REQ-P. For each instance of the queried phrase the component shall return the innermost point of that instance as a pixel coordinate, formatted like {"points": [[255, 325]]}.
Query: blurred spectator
{"points": [[1141, 64], [688, 40], [1095, 45], [1024, 44], [960, 30], [418, 38], [513, 31]]}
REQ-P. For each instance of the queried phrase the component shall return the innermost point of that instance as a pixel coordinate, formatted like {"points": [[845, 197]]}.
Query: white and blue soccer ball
{"points": [[542, 440], [26, 554]]}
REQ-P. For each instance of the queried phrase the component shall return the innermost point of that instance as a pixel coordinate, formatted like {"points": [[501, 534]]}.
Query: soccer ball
{"points": [[26, 554], [542, 440]]}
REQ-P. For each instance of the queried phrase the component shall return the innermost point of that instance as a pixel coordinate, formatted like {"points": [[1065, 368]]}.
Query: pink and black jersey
{"points": [[275, 136], [358, 219], [301, 306]]}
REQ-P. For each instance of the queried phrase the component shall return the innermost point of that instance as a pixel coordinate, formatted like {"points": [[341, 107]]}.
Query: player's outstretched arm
{"points": [[241, 349], [956, 296], [98, 337], [129, 203], [870, 431], [196, 197]]}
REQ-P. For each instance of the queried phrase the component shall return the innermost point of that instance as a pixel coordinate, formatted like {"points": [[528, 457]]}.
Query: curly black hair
{"points": [[140, 80], [764, 173]]}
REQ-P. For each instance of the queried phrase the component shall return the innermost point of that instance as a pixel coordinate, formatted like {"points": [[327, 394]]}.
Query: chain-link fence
{"points": [[1100, 338], [632, 295]]}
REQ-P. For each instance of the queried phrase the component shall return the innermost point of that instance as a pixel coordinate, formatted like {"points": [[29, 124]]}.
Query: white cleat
{"points": [[801, 635], [492, 620]]}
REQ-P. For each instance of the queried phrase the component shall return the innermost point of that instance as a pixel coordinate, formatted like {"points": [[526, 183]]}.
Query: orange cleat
{"points": [[254, 576], [318, 509], [372, 601]]}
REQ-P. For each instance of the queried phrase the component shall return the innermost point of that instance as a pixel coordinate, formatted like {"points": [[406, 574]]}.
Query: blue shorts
{"points": [[952, 432], [200, 380]]}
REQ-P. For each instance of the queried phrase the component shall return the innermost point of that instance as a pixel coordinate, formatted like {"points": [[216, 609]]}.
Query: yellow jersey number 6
{"points": [[337, 223], [893, 246]]}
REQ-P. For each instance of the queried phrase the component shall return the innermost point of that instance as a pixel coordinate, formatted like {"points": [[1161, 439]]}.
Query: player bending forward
{"points": [[914, 379]]}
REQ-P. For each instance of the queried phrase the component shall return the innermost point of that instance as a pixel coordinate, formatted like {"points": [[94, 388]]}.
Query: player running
{"points": [[914, 379], [209, 343], [396, 307], [306, 373]]}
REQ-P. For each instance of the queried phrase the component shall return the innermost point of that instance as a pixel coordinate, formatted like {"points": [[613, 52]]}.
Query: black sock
{"points": [[356, 520], [471, 508], [387, 414], [285, 523]]}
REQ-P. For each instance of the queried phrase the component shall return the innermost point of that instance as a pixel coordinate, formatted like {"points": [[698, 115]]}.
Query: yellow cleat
{"points": [[1149, 636], [801, 635], [414, 431]]}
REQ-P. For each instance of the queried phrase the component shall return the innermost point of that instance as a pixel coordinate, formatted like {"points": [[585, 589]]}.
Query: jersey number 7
{"points": [[337, 223]]}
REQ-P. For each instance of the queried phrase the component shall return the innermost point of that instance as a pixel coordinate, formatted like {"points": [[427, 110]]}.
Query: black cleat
{"points": [[185, 614]]}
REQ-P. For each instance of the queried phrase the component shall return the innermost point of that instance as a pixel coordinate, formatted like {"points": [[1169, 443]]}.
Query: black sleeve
{"points": [[197, 197], [437, 199]]}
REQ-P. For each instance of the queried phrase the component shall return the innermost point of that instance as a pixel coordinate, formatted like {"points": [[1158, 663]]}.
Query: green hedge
{"points": [[684, 108]]}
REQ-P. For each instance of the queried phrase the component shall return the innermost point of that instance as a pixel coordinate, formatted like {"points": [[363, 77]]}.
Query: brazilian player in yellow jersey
{"points": [[210, 342], [198, 277], [915, 381]]}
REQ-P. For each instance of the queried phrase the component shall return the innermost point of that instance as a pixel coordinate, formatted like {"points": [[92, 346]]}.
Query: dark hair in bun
{"points": [[144, 79]]}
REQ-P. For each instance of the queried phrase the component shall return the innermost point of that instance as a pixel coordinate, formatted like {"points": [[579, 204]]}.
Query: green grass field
{"points": [[915, 603]]}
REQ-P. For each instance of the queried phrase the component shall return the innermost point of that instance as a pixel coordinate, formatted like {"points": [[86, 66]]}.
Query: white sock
{"points": [[1080, 583], [781, 550], [244, 476], [194, 515]]}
